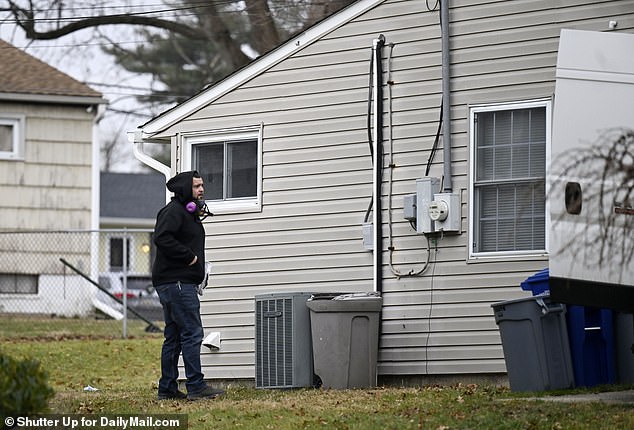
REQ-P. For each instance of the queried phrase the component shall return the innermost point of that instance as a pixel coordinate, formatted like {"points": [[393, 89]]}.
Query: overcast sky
{"points": [[80, 56]]}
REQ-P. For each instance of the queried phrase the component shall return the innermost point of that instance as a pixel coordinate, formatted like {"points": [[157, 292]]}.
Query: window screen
{"points": [[229, 169], [11, 283], [509, 185], [11, 139], [6, 138]]}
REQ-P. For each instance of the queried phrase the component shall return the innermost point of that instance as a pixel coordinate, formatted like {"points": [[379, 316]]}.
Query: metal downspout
{"points": [[377, 177], [95, 204], [137, 149], [446, 116]]}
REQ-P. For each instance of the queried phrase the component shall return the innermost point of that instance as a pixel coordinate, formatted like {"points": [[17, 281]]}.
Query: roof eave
{"points": [[52, 98], [116, 222]]}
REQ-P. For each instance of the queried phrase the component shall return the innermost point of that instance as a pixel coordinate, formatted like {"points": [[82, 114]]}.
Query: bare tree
{"points": [[261, 30], [108, 151], [189, 44]]}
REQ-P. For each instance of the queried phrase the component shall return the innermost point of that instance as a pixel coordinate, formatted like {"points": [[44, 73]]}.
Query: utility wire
{"points": [[81, 17], [392, 166], [75, 45], [279, 6]]}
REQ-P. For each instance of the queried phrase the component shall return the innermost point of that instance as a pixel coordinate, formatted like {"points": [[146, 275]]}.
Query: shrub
{"points": [[24, 387]]}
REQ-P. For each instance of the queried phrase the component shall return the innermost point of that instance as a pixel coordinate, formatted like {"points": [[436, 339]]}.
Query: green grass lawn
{"points": [[126, 371]]}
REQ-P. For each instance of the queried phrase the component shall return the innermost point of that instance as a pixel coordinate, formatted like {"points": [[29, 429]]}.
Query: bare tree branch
{"points": [[26, 20], [216, 30], [264, 32]]}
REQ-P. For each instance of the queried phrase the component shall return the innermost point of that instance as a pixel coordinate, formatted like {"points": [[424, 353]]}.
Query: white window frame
{"points": [[473, 110], [16, 122], [235, 205]]}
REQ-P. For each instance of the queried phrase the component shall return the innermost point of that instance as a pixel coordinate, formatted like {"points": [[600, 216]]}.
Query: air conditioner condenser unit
{"points": [[283, 347]]}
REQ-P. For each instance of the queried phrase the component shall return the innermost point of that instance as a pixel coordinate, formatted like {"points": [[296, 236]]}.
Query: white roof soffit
{"points": [[259, 65], [52, 98]]}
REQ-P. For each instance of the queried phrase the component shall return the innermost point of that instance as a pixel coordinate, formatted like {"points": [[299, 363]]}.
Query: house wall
{"points": [[50, 188], [60, 295], [317, 177]]}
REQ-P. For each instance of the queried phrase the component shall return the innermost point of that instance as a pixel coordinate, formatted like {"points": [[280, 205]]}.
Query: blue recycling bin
{"points": [[591, 336], [539, 283]]}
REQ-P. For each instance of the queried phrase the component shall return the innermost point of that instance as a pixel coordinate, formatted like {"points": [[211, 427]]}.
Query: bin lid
{"points": [[345, 302], [543, 297], [541, 276], [326, 296], [537, 283]]}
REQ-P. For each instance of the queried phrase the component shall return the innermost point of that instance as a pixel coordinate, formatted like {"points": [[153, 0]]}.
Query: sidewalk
{"points": [[608, 397]]}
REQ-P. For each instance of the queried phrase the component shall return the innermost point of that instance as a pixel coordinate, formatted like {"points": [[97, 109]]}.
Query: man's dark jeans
{"points": [[183, 332]]}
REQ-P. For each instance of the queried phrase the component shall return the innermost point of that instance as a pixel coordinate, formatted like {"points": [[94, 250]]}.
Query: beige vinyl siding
{"points": [[50, 188], [317, 177]]}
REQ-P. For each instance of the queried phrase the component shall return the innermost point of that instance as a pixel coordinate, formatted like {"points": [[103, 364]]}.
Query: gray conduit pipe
{"points": [[446, 116]]}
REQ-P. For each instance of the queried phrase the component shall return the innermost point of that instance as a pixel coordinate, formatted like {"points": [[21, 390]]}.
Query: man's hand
{"points": [[193, 261]]}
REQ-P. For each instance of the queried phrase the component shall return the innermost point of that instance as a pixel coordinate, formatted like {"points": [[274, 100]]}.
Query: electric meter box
{"points": [[425, 189], [445, 212], [409, 207]]}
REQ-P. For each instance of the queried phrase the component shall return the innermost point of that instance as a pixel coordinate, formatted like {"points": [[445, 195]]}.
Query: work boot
{"points": [[179, 395], [206, 393]]}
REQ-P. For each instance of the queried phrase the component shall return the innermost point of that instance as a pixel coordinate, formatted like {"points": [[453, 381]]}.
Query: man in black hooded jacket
{"points": [[179, 267]]}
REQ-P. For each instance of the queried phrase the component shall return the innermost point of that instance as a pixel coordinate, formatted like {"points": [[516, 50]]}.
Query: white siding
{"points": [[50, 189], [317, 177]]}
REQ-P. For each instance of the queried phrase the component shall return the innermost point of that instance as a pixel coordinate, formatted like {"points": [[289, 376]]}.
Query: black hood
{"points": [[181, 186]]}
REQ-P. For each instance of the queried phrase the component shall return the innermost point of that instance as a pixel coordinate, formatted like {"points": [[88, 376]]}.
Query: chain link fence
{"points": [[99, 279]]}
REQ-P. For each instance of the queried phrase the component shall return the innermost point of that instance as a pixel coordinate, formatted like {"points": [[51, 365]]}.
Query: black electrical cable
{"points": [[431, 9], [434, 147]]}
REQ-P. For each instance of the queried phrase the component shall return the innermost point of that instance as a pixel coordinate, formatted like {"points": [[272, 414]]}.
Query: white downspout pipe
{"points": [[136, 137], [95, 212]]}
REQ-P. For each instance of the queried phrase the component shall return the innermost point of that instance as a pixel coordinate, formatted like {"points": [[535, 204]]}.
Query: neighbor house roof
{"points": [[297, 43], [131, 198], [24, 77]]}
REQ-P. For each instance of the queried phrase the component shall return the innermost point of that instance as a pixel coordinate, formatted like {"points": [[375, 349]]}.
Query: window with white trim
{"points": [[230, 164], [15, 283], [509, 146], [11, 137]]}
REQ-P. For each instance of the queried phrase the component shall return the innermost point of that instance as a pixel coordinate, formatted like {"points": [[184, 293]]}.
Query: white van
{"points": [[591, 176]]}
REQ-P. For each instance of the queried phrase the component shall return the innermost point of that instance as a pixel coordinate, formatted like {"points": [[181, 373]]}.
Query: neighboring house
{"points": [[283, 148], [129, 201], [128, 204], [48, 169]]}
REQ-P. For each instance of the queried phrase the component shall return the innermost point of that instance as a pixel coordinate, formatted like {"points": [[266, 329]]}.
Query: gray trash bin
{"points": [[535, 343], [345, 335], [624, 347]]}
